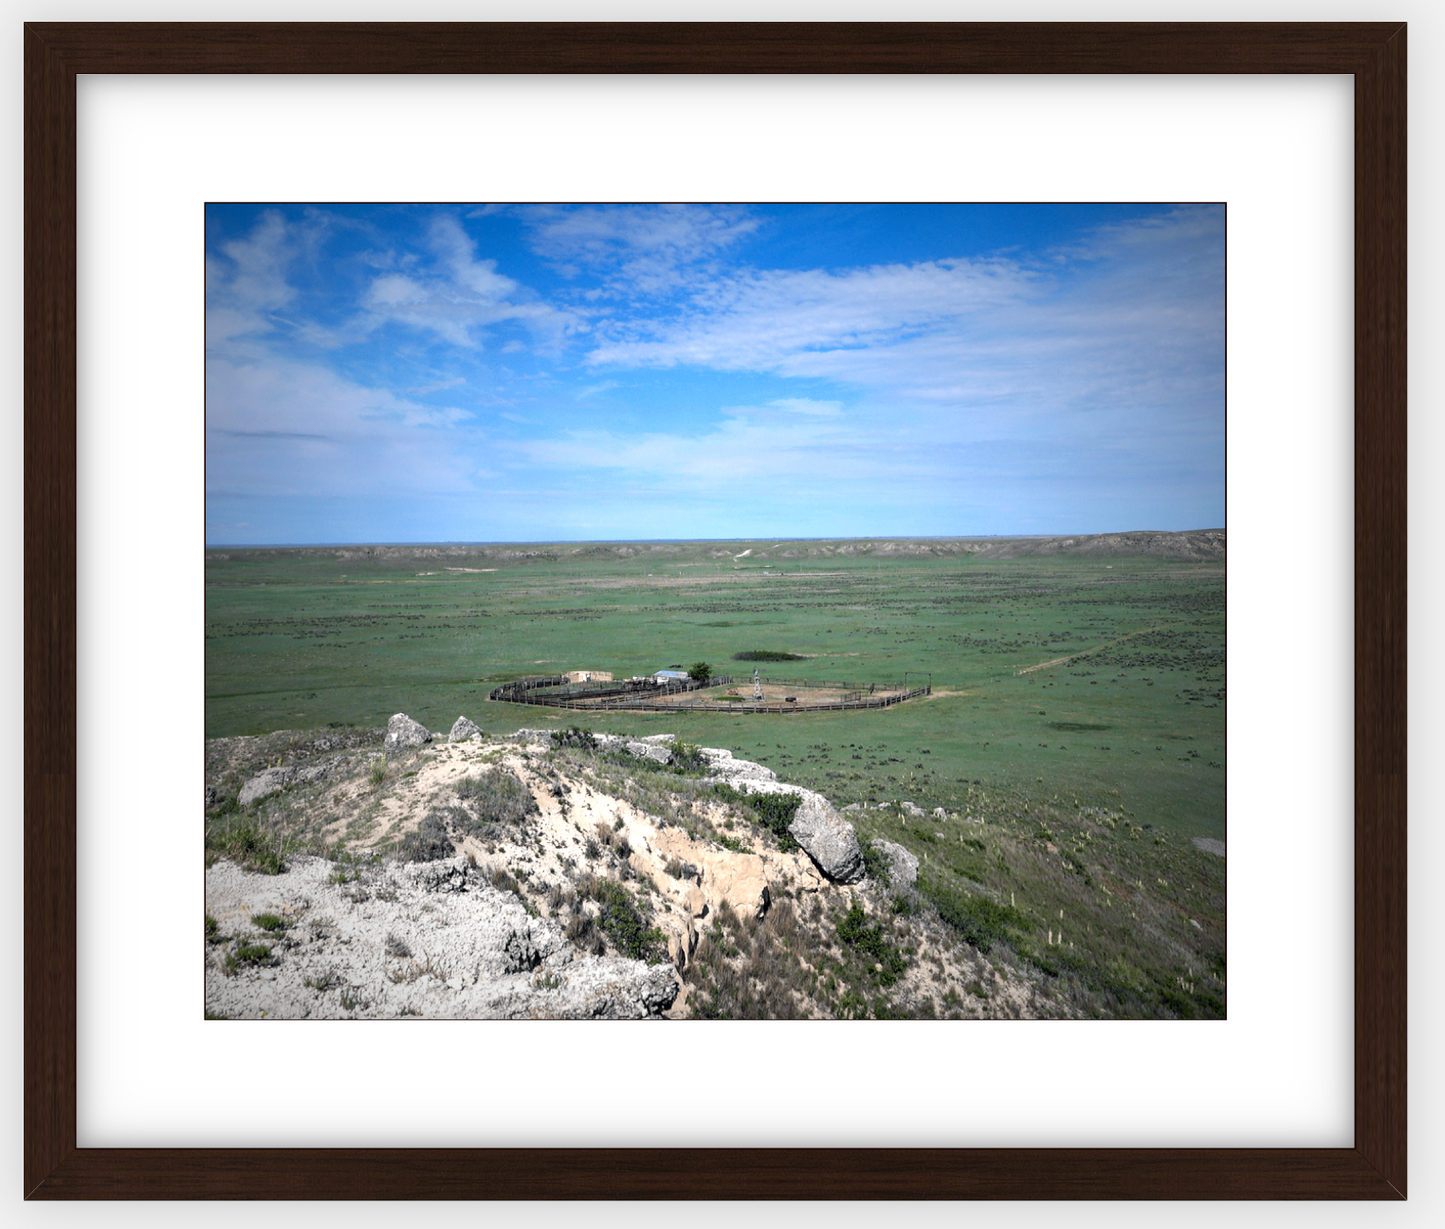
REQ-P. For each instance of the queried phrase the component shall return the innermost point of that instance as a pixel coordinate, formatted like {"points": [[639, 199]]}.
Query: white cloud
{"points": [[459, 296], [769, 321], [640, 249], [806, 405], [1133, 320], [287, 428], [245, 289], [592, 390]]}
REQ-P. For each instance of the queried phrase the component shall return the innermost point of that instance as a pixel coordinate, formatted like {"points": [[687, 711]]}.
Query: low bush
{"points": [[575, 736], [856, 933], [252, 846], [496, 796], [431, 841], [268, 921], [876, 863], [687, 757], [979, 920], [624, 923], [773, 811]]}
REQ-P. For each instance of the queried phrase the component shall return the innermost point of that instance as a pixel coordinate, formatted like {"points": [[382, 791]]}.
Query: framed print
{"points": [[60, 445]]}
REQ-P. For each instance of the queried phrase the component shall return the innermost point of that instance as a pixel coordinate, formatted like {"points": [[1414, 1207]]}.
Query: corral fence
{"points": [[642, 695], [555, 691]]}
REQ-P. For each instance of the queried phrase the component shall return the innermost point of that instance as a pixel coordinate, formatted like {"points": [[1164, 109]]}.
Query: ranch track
{"points": [[1064, 661]]}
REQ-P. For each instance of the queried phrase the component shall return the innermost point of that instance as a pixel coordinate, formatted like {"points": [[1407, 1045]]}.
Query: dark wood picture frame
{"points": [[55, 1168]]}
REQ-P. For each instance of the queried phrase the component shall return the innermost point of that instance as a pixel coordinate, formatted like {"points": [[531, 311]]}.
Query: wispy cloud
{"points": [[661, 369], [638, 250], [459, 296]]}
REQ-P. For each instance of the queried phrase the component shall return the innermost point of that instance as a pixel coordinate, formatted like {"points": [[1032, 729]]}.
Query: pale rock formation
{"points": [[463, 728], [426, 939], [902, 865], [263, 784], [828, 839], [402, 733]]}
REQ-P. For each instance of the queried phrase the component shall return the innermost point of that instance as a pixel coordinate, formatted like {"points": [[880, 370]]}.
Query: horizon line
{"points": [[780, 538]]}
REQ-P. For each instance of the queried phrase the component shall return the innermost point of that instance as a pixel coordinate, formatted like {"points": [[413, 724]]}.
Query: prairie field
{"points": [[1074, 736]]}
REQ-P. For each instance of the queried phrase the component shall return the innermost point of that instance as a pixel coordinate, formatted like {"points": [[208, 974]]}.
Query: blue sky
{"points": [[424, 373]]}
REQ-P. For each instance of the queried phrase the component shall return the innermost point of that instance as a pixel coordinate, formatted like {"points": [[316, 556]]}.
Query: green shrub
{"points": [[699, 672], [876, 863], [213, 929], [496, 796], [767, 655], [624, 923], [687, 757], [431, 841], [774, 811], [252, 953], [376, 774], [856, 933], [979, 920], [575, 736], [268, 921], [246, 843]]}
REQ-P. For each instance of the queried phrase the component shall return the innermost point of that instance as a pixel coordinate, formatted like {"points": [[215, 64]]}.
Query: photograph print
{"points": [[715, 611]]}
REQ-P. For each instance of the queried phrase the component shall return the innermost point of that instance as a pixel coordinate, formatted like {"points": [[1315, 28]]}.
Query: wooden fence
{"points": [[646, 705]]}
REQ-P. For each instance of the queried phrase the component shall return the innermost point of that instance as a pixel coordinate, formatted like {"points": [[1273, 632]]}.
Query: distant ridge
{"points": [[1192, 545]]}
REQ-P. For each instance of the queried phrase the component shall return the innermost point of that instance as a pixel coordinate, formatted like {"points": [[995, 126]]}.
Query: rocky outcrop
{"points": [[911, 808], [902, 865], [432, 939], [724, 767], [402, 734], [264, 784], [463, 728], [828, 839], [272, 780]]}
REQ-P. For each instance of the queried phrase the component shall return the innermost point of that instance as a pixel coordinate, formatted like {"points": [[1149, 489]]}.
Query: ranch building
{"points": [[588, 676]]}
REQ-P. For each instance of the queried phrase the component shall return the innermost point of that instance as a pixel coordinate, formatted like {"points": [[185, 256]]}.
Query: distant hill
{"points": [[1193, 544], [1189, 545]]}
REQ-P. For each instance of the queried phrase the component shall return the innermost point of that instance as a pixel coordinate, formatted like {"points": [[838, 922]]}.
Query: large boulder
{"points": [[402, 733], [828, 839], [648, 750], [902, 865], [464, 728]]}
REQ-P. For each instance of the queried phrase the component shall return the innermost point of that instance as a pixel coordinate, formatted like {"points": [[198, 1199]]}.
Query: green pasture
{"points": [[306, 638]]}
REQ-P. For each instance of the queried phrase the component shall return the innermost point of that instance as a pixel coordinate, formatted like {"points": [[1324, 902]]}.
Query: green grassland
{"points": [[296, 640], [1090, 775]]}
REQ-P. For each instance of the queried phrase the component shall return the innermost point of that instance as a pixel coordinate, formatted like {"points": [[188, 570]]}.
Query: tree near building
{"points": [[701, 671]]}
